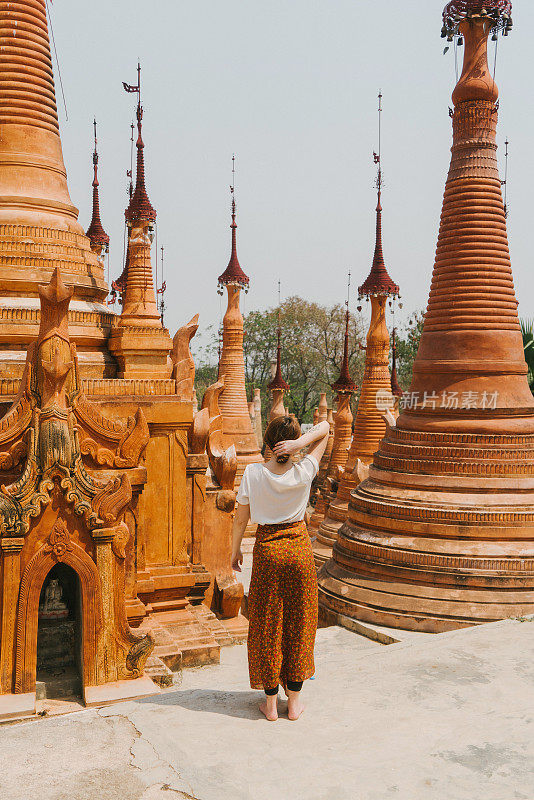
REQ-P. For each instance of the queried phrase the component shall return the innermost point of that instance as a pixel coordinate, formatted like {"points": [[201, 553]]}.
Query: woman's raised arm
{"points": [[317, 438]]}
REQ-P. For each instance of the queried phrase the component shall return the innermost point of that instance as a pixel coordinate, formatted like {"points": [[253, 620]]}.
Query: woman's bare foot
{"points": [[269, 708], [295, 706]]}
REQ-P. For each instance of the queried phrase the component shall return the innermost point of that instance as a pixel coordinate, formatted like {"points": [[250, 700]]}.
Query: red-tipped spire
{"points": [[233, 272], [345, 383], [395, 387], [278, 382], [95, 232], [378, 280], [140, 207]]}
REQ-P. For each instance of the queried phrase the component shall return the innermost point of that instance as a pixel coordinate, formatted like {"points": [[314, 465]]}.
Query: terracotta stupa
{"points": [[342, 436], [139, 342], [369, 426], [39, 228], [344, 388], [277, 387], [324, 414], [441, 535], [237, 427]]}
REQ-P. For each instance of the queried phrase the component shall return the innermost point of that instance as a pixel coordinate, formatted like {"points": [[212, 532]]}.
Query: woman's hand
{"points": [[287, 448], [237, 560]]}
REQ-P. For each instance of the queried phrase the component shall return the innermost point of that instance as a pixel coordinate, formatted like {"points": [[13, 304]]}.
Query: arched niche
{"points": [[28, 609]]}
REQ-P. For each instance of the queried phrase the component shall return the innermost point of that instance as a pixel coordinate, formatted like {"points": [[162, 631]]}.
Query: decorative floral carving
{"points": [[134, 441], [120, 540], [138, 654], [59, 541], [13, 456], [111, 501]]}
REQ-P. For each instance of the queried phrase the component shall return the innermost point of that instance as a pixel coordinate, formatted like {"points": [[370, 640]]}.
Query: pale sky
{"points": [[290, 86]]}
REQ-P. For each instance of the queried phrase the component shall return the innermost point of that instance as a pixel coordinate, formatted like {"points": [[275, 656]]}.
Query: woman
{"points": [[282, 600]]}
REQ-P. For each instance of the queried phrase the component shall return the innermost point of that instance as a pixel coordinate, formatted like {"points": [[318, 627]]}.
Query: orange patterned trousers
{"points": [[282, 606]]}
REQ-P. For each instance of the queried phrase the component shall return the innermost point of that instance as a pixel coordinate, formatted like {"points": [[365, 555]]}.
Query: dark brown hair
{"points": [[281, 429]]}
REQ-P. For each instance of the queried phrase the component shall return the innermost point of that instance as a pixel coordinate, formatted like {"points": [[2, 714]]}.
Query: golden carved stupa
{"points": [[39, 228], [116, 488]]}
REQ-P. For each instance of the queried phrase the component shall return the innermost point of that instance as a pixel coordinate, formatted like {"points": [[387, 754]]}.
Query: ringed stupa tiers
{"points": [[441, 534], [39, 228], [369, 425], [237, 426]]}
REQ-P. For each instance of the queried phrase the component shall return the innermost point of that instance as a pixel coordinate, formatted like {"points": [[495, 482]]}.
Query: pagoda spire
{"points": [[344, 388], [95, 232], [369, 424], [140, 207], [233, 272], [139, 341], [278, 386], [278, 383], [378, 281], [233, 402], [345, 383]]}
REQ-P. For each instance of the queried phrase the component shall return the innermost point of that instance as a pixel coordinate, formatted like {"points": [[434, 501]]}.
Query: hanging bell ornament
{"points": [[359, 308], [460, 41]]}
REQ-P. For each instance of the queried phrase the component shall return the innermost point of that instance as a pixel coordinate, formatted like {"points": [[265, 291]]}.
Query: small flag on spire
{"points": [[129, 88]]}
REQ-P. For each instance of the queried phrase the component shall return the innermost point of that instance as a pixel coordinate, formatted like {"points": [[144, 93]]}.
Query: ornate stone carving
{"points": [[223, 461], [95, 546], [183, 370], [59, 541]]}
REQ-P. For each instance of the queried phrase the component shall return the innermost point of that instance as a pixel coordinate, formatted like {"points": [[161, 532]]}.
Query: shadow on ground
{"points": [[231, 704]]}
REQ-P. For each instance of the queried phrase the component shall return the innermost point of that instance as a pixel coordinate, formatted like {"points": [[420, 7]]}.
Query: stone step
{"points": [[159, 672], [67, 683]]}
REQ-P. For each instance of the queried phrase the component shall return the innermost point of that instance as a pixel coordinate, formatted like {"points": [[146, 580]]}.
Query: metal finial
{"points": [[378, 156], [161, 289], [505, 181], [232, 188], [279, 304], [95, 151]]}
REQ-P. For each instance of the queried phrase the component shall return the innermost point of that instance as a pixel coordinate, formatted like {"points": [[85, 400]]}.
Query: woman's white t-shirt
{"points": [[277, 498]]}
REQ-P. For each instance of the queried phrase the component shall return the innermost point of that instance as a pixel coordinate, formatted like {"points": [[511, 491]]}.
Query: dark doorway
{"points": [[59, 650]]}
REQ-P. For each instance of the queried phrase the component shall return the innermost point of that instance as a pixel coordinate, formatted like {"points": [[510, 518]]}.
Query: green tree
{"points": [[527, 329], [407, 347], [312, 352]]}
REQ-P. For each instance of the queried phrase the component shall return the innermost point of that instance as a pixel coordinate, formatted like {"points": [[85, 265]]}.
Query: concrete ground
{"points": [[450, 717]]}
